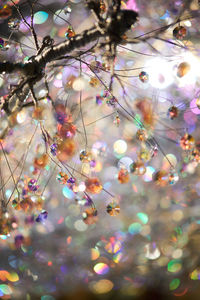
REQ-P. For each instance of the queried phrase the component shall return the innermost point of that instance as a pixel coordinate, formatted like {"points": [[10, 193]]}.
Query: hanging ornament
{"points": [[173, 112], [5, 225], [41, 161], [53, 149], [2, 42], [67, 10], [154, 151], [93, 185], [111, 101], [106, 66], [32, 186], [42, 216], [179, 32], [117, 120], [38, 201], [90, 216], [16, 204], [102, 7], [141, 135], [61, 115], [187, 142], [4, 46], [14, 24], [66, 149], [144, 154], [99, 99], [123, 176], [195, 155], [113, 209], [144, 77], [62, 177], [71, 183], [85, 156], [67, 130], [183, 69], [173, 177], [161, 178], [94, 82], [84, 201], [137, 168], [27, 205], [69, 32]]}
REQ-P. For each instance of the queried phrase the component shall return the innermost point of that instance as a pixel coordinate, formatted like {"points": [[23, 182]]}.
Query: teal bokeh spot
{"points": [[143, 217], [135, 228], [67, 193], [40, 17], [47, 297]]}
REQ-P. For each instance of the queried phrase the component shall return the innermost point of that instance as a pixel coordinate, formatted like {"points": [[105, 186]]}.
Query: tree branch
{"points": [[34, 70]]}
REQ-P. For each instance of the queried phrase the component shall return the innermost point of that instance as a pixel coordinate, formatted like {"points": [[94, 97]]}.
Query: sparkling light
{"points": [[40, 17], [120, 146], [160, 73], [101, 268]]}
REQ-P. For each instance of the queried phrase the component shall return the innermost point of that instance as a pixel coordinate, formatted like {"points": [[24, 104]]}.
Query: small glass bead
{"points": [[137, 168], [179, 32], [69, 32], [141, 135], [113, 209], [123, 176], [187, 142], [62, 178], [90, 216], [85, 156], [14, 24], [144, 77], [93, 185], [173, 112]]}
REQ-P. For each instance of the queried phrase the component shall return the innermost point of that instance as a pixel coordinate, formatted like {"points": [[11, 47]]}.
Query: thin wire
{"points": [[10, 169], [81, 111]]}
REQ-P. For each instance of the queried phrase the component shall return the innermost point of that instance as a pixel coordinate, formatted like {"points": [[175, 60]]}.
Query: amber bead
{"points": [[93, 185]]}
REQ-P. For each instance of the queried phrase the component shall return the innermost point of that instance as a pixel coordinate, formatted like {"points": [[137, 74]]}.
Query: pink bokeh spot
{"points": [[194, 107], [131, 5]]}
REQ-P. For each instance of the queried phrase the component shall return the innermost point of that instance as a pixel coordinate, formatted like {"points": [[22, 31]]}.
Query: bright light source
{"points": [[160, 73]]}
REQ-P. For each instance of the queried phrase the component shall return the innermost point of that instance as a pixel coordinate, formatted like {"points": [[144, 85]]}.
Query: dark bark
{"points": [[113, 29]]}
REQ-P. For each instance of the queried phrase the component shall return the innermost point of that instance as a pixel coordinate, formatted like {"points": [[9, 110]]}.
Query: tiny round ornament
{"points": [[173, 112], [14, 24], [183, 69], [144, 77], [85, 156], [161, 178], [123, 176], [69, 32], [90, 216], [187, 142], [137, 168], [179, 32], [173, 177], [113, 209], [62, 177], [141, 135], [93, 185]]}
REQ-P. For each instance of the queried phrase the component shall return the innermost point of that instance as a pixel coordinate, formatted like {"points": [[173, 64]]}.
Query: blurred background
{"points": [[101, 180]]}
